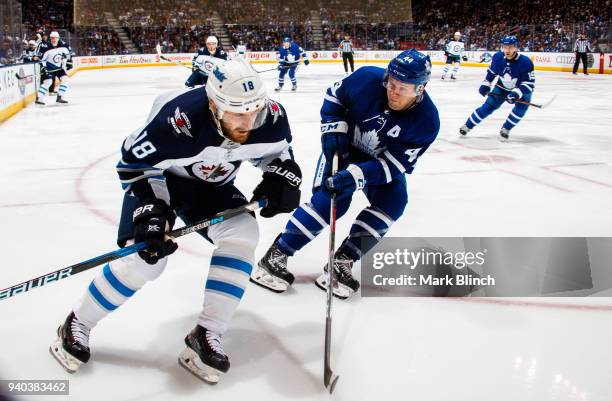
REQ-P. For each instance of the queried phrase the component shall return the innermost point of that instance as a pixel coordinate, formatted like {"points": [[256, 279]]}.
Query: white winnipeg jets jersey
{"points": [[455, 48]]}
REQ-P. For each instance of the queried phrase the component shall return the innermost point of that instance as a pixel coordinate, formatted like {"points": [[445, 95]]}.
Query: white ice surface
{"points": [[60, 201]]}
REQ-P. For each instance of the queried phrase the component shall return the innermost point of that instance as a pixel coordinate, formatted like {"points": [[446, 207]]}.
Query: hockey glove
{"points": [[69, 65], [345, 181], [485, 88], [513, 96], [151, 221], [280, 185], [334, 139], [464, 58], [306, 61]]}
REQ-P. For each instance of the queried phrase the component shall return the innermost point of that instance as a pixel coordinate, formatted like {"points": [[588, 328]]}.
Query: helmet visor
{"points": [[246, 121]]}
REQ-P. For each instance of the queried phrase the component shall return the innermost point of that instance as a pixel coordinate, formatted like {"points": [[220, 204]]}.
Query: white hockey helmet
{"points": [[457, 34], [235, 87], [32, 43], [54, 34], [212, 40]]}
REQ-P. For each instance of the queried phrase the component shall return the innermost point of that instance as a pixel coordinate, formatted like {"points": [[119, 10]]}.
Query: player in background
{"points": [[199, 74], [379, 121], [288, 56], [55, 59], [454, 52], [29, 54], [241, 50], [183, 163], [345, 48], [510, 77]]}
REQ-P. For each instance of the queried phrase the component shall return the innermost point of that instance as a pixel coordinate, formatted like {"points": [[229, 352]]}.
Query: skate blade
{"points": [[340, 290], [191, 362], [263, 278], [68, 362]]}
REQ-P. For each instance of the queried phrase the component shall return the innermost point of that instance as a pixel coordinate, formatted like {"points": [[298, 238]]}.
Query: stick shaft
{"points": [[121, 252]]}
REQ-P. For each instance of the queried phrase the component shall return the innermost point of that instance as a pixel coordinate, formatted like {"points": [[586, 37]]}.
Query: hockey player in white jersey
{"points": [[241, 50], [454, 52], [57, 57], [183, 163]]}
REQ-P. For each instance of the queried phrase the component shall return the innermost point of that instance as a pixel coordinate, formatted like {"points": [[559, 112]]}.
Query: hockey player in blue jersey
{"points": [[55, 59], [200, 63], [183, 163], [515, 81], [379, 121], [289, 54]]}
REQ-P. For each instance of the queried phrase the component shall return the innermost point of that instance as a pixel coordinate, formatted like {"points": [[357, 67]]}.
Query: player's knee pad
{"points": [[46, 83], [292, 72], [282, 73], [133, 272], [239, 234]]}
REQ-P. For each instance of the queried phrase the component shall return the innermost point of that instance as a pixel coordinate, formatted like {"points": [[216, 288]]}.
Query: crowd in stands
{"points": [[541, 25]]}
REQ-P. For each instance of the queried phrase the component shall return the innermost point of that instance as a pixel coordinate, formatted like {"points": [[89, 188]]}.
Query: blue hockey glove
{"points": [[485, 88], [306, 61], [343, 182], [334, 139], [514, 96]]}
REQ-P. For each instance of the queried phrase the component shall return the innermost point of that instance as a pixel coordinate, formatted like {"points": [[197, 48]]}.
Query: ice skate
{"points": [[347, 285], [272, 272], [204, 356], [71, 348]]}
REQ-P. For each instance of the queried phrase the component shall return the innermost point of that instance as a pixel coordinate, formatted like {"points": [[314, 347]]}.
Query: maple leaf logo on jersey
{"points": [[366, 141], [508, 81]]}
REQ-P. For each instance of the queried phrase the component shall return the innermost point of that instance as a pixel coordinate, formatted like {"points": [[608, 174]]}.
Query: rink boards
{"points": [[15, 93]]}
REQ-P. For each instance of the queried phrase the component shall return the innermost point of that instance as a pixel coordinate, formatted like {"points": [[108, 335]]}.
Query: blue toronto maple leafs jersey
{"points": [[516, 73], [181, 137], [384, 143], [292, 54]]}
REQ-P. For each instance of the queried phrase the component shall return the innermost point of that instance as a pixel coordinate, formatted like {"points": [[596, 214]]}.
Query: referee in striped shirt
{"points": [[346, 49], [581, 47]]}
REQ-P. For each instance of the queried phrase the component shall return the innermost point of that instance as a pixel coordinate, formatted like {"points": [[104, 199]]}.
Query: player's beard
{"points": [[238, 134]]}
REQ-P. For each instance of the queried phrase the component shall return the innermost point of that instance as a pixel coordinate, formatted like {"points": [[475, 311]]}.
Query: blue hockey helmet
{"points": [[509, 40], [410, 66], [286, 39]]}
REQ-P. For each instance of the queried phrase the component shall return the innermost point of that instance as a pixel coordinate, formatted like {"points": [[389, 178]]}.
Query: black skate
{"points": [[71, 349], [293, 88], [453, 78], [464, 130], [278, 88], [204, 356], [272, 272], [39, 101], [505, 134], [60, 100], [347, 284]]}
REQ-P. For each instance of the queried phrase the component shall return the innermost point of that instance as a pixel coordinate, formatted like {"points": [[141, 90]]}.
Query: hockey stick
{"points": [[539, 106], [329, 378], [24, 77], [278, 69], [121, 252], [158, 49]]}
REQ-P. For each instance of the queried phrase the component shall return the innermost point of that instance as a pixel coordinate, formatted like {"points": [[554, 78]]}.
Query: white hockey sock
{"points": [[113, 286]]}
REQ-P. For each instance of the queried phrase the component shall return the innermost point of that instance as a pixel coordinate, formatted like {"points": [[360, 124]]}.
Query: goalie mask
{"points": [[238, 93]]}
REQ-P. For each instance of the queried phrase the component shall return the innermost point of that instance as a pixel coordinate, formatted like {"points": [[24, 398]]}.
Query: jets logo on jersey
{"points": [[213, 172], [180, 123]]}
